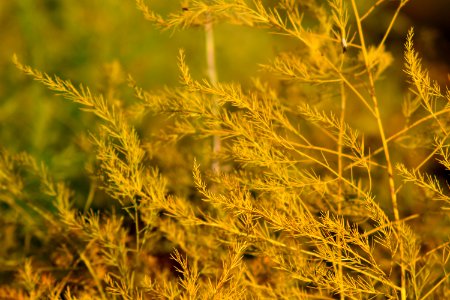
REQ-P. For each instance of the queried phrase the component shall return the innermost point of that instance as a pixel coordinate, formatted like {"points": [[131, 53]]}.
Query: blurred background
{"points": [[97, 43]]}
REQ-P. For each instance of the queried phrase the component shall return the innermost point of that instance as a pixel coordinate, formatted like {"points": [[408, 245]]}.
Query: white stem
{"points": [[212, 74]]}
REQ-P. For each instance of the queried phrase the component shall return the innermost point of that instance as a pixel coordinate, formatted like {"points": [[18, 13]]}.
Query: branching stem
{"points": [[385, 148]]}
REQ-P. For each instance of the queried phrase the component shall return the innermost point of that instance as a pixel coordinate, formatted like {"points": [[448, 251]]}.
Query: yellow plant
{"points": [[268, 191]]}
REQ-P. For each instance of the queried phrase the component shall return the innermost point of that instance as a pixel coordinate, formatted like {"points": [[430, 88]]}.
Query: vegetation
{"points": [[296, 184]]}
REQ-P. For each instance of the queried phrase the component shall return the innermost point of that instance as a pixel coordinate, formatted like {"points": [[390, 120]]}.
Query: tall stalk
{"points": [[390, 171], [212, 76]]}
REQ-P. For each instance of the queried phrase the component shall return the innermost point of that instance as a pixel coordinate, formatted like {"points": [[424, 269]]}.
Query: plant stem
{"points": [[379, 2], [212, 75], [391, 24], [136, 223], [400, 133], [386, 151], [340, 192], [92, 272]]}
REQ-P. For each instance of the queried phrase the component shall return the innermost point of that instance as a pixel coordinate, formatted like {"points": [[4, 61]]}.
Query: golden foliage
{"points": [[299, 207]]}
